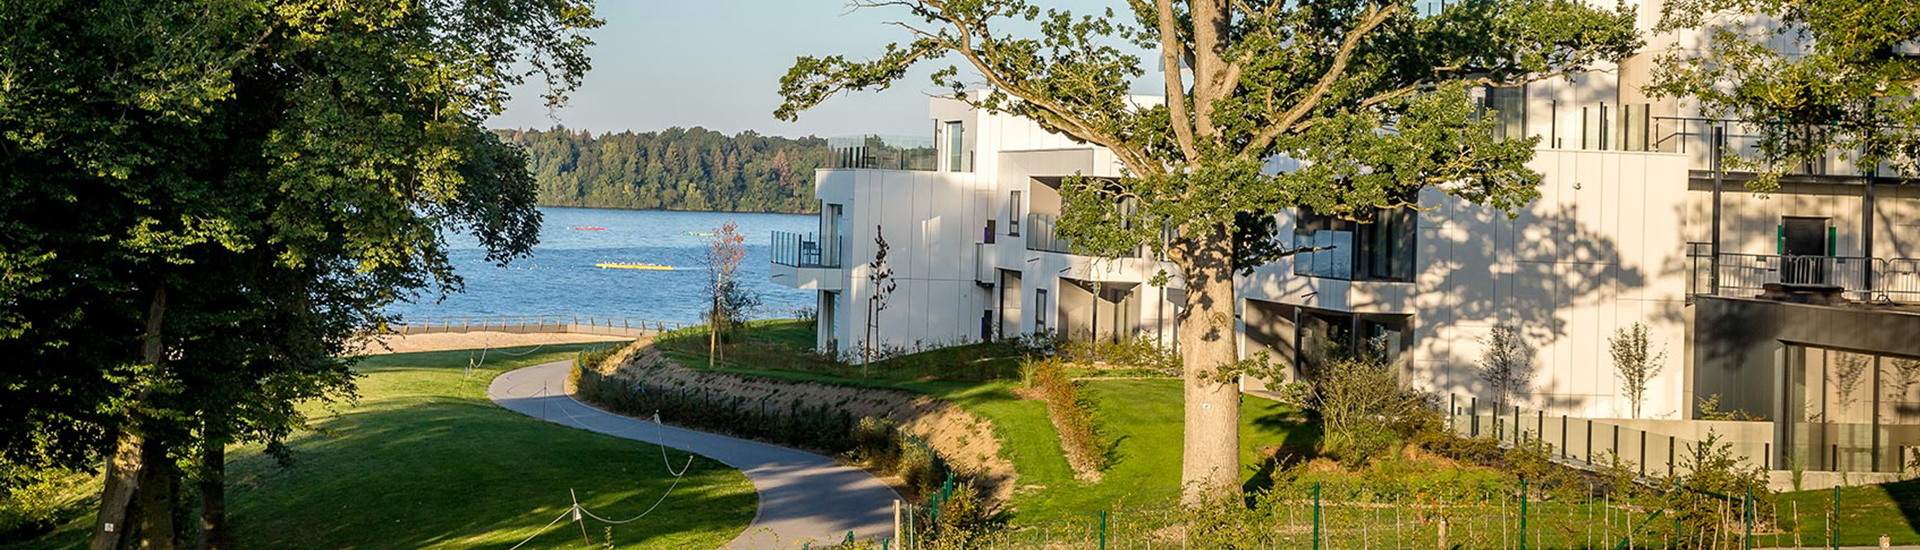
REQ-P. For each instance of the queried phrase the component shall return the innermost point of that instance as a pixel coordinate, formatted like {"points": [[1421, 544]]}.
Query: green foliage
{"points": [[1842, 84], [1709, 409], [245, 186], [1716, 479], [1071, 415], [41, 500], [1365, 411], [675, 169], [823, 427], [1635, 362], [1139, 352], [1318, 81]]}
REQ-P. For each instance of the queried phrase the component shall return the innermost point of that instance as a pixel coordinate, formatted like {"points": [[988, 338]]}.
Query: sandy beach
{"points": [[401, 343]]}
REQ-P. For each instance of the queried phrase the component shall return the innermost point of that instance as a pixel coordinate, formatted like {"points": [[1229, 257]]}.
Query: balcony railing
{"points": [[880, 152], [1041, 237], [1878, 280], [805, 250], [1702, 138]]}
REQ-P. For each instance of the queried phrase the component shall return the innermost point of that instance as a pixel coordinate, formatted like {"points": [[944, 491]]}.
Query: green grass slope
{"points": [[424, 460]]}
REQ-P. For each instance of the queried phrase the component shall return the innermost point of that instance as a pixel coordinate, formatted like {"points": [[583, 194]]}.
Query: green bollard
{"points": [[1103, 530], [1833, 536], [1316, 515], [1746, 516], [1523, 513]]}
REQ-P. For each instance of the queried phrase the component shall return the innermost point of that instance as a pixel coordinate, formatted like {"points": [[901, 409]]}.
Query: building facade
{"points": [[1638, 221]]}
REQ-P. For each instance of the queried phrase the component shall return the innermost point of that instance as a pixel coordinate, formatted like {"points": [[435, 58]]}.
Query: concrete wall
{"points": [[1600, 250], [931, 223]]}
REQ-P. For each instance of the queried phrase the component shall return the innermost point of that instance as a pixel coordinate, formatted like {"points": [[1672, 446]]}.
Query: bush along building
{"points": [[1646, 299]]}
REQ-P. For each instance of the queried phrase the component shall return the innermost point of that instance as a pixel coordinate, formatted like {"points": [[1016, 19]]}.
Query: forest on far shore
{"points": [[674, 169]]}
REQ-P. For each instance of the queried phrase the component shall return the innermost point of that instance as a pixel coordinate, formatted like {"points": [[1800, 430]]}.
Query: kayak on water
{"points": [[697, 233], [588, 228], [633, 265]]}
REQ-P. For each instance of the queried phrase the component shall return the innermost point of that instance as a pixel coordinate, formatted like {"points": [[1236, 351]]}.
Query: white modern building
{"points": [[1800, 308]]}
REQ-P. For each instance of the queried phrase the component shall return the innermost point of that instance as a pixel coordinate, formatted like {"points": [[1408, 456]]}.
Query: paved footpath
{"points": [[804, 497]]}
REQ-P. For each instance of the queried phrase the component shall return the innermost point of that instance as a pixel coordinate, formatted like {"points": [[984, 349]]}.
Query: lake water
{"points": [[560, 277]]}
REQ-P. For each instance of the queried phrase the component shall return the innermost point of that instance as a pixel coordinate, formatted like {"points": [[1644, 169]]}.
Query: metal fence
{"points": [[1587, 442], [1881, 280], [805, 250], [584, 324], [1505, 515]]}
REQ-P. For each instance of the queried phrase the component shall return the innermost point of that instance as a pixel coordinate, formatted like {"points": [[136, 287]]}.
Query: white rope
{"points": [[543, 530], [661, 438], [656, 503]]}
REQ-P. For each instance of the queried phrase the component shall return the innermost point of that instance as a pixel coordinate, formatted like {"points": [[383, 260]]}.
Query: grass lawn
{"points": [[424, 460], [1141, 418], [1866, 512]]}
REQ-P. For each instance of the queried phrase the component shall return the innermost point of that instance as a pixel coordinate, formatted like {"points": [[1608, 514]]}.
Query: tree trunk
{"points": [[155, 507], [213, 497], [1210, 466], [126, 467]]}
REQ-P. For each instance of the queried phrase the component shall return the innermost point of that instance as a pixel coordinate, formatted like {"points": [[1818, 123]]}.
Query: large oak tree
{"points": [[1371, 96]]}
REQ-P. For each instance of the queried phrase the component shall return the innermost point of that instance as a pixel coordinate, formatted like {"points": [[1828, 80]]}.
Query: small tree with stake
{"points": [[1635, 362], [880, 276], [725, 251], [1506, 364]]}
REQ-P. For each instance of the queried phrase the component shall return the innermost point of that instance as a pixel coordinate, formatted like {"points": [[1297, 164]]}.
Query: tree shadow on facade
{"points": [[1536, 274]]}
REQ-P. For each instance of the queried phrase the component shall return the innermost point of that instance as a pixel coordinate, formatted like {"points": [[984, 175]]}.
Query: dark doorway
{"points": [[1803, 243]]}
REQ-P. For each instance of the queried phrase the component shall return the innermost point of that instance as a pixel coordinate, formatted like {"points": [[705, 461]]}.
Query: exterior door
{"points": [[1803, 245]]}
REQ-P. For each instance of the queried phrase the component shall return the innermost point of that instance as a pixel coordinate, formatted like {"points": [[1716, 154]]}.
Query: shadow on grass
{"points": [[424, 460]]}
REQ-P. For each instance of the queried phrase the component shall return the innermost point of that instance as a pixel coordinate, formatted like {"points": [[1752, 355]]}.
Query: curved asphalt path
{"points": [[804, 497]]}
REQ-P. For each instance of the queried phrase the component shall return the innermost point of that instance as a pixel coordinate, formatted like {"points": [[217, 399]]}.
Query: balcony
{"points": [[1042, 236], [878, 152], [1870, 280], [805, 250], [806, 262], [1697, 138]]}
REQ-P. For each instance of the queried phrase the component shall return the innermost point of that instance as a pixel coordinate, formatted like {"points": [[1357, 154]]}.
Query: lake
{"points": [[559, 278]]}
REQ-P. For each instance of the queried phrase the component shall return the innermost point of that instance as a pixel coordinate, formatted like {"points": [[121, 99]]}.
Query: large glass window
{"points": [[1379, 250], [1849, 411]]}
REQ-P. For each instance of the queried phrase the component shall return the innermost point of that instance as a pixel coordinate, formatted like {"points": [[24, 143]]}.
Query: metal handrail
{"points": [[1882, 280], [805, 250]]}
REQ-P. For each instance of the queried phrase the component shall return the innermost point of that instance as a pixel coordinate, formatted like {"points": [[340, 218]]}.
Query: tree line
{"points": [[674, 169]]}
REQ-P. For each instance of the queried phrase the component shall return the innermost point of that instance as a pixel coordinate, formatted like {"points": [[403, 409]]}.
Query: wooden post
{"points": [[578, 519]]}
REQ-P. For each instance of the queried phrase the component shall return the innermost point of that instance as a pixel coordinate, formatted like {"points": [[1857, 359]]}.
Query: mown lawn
{"points": [[424, 460], [1866, 512], [1141, 419]]}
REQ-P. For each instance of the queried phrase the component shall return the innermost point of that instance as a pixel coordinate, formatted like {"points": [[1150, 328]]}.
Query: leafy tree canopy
{"points": [[1848, 81], [1371, 96]]}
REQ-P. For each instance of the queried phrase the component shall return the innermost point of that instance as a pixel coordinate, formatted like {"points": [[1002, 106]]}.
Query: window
{"points": [[1381, 250], [1040, 310], [1013, 214], [1509, 105], [956, 146]]}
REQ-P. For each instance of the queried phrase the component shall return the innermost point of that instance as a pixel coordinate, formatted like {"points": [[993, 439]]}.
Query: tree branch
{"points": [[1171, 52], [1374, 18]]}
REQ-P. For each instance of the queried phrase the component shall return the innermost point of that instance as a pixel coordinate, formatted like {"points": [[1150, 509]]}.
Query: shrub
{"points": [[1139, 351], [1363, 409], [33, 506], [1071, 416]]}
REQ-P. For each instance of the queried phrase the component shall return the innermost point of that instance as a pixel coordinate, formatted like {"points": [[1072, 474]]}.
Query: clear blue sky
{"points": [[717, 63]]}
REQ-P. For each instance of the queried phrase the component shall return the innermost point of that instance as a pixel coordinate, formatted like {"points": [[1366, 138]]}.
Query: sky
{"points": [[658, 64]]}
